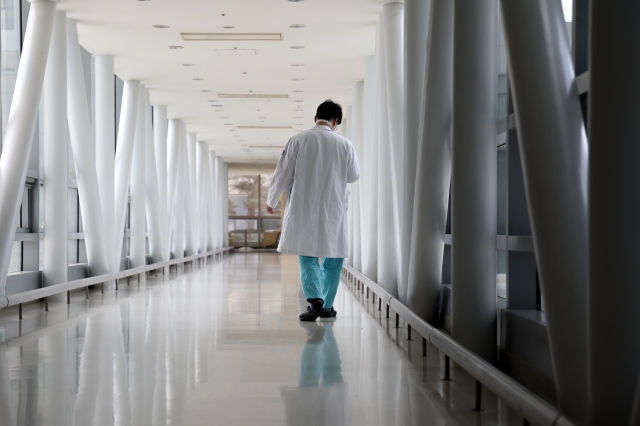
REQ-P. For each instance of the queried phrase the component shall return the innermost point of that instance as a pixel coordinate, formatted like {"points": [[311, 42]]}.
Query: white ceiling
{"points": [[336, 37]]}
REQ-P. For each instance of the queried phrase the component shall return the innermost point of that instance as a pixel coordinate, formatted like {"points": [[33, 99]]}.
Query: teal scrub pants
{"points": [[320, 281]]}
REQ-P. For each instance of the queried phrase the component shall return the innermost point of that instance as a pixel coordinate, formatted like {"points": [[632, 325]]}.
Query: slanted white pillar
{"points": [[137, 240], [387, 261], [172, 174], [356, 197], [155, 214], [416, 25], [370, 176], [225, 206], [177, 227], [160, 135], [16, 146], [202, 178], [393, 16], [213, 205], [54, 97], [106, 142], [191, 225], [220, 180], [124, 157], [84, 156]]}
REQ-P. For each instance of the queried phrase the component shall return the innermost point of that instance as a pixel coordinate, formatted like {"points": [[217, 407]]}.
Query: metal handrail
{"points": [[526, 403], [28, 296]]}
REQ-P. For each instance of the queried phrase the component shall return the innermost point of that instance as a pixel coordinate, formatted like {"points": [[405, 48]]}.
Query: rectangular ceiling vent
{"points": [[232, 36], [268, 147], [236, 52], [251, 96], [264, 127]]}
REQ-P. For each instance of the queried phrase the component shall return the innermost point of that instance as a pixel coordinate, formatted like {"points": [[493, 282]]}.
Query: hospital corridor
{"points": [[319, 212], [220, 344]]}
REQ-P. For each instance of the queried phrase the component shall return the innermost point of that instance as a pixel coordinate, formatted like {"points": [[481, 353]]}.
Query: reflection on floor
{"points": [[222, 345]]}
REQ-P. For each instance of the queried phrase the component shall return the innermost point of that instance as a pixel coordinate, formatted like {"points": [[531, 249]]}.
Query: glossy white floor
{"points": [[222, 345]]}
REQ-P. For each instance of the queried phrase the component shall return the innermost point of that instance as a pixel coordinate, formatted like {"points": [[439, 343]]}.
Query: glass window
{"points": [[501, 278], [15, 264], [10, 43], [271, 224], [244, 195], [265, 181], [502, 189]]}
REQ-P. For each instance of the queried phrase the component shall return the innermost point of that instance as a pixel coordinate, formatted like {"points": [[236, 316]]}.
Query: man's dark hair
{"points": [[328, 110]]}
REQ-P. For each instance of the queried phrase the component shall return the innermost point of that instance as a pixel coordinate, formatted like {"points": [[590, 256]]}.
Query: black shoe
{"points": [[329, 313], [313, 311]]}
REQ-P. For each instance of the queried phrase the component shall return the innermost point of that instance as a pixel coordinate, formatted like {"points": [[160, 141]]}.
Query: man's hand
{"points": [[270, 210]]}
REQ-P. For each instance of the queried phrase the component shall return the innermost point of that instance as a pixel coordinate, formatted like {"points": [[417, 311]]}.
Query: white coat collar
{"points": [[322, 127]]}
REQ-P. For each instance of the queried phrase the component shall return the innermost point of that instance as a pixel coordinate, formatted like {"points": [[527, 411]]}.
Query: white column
{"points": [[346, 126], [387, 262], [190, 193], [177, 227], [393, 15], [370, 176], [416, 25], [160, 131], [106, 141], [225, 204], [84, 156], [22, 118], [213, 205], [54, 97], [356, 196], [137, 240], [172, 173], [124, 157], [220, 179], [155, 214], [202, 176], [189, 224]]}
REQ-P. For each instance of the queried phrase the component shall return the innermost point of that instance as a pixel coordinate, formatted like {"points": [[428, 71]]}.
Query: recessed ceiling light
{"points": [[297, 118], [252, 96], [298, 100], [228, 27], [264, 127], [262, 117], [297, 79], [298, 91], [232, 130], [297, 65], [231, 36], [176, 47], [188, 65], [236, 136], [224, 117], [297, 47], [216, 106], [295, 1], [219, 110], [161, 26], [296, 26], [228, 124], [206, 91], [198, 79]]}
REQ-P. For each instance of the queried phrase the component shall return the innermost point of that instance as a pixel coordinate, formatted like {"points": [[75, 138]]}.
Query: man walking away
{"points": [[313, 172]]}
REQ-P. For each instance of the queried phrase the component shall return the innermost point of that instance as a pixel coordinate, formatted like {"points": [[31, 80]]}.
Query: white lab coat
{"points": [[313, 171]]}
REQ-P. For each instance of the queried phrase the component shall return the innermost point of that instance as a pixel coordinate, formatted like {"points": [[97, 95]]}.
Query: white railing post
{"points": [[55, 158], [20, 127], [84, 156], [124, 157]]}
